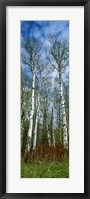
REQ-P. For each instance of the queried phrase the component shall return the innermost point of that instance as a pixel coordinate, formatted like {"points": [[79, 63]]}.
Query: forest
{"points": [[44, 99]]}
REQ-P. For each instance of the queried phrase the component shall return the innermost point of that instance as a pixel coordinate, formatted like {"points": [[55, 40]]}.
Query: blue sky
{"points": [[41, 29]]}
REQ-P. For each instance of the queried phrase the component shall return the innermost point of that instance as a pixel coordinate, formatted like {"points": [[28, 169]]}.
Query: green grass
{"points": [[45, 170]]}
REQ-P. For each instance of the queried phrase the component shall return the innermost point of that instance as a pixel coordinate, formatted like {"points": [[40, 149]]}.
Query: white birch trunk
{"points": [[53, 137], [49, 137], [53, 127], [65, 134], [37, 117], [36, 123], [32, 110], [48, 133]]}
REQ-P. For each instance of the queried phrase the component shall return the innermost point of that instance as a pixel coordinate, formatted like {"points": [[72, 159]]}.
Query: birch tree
{"points": [[41, 74], [59, 60], [52, 126], [36, 121], [66, 94], [25, 108], [30, 56]]}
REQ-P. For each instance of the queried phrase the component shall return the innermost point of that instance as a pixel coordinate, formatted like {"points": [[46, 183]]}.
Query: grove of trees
{"points": [[44, 97]]}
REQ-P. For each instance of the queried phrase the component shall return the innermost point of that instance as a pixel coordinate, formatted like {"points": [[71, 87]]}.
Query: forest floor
{"points": [[45, 170]]}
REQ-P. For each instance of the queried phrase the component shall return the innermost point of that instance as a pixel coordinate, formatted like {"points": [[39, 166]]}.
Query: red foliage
{"points": [[47, 154]]}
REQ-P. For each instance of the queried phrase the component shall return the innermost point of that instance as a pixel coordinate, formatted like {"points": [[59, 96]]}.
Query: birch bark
{"points": [[65, 133], [36, 123], [48, 134], [37, 116], [53, 126], [32, 111]]}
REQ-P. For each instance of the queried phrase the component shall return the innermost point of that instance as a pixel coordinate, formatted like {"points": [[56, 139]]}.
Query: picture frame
{"points": [[3, 5]]}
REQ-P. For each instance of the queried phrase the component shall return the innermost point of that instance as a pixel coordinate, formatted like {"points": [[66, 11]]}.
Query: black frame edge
{"points": [[85, 98], [3, 4], [2, 103], [88, 99]]}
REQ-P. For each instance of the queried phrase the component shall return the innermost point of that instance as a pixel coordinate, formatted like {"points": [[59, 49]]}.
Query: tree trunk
{"points": [[65, 135], [36, 123], [48, 133], [32, 112], [37, 117], [59, 123], [52, 126]]}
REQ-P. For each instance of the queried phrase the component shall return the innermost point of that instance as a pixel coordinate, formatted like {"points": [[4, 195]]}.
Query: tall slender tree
{"points": [[30, 56], [59, 51]]}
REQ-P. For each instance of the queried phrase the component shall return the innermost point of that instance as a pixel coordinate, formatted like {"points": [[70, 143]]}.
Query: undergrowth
{"points": [[47, 170], [46, 162], [46, 154]]}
